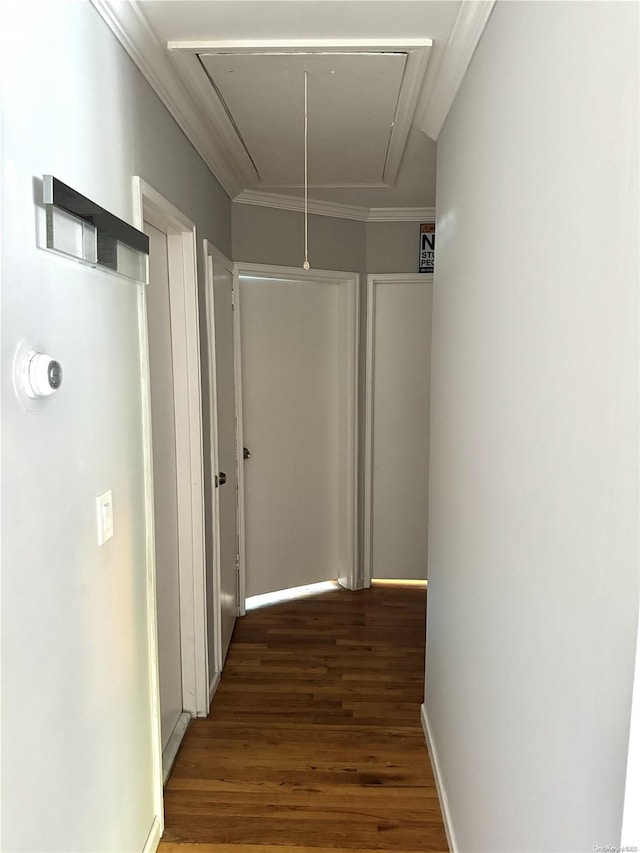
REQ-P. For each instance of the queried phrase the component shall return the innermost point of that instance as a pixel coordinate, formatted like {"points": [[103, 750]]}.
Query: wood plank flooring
{"points": [[314, 739]]}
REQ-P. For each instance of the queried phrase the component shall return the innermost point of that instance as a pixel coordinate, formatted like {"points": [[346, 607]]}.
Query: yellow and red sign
{"points": [[427, 246]]}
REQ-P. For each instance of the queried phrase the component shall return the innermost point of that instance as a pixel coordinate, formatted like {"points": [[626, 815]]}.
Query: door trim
{"points": [[155, 834], [210, 254], [171, 749], [237, 343], [350, 280], [149, 205], [372, 282]]}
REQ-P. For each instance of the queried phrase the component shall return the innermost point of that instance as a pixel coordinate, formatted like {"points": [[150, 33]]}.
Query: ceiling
{"points": [[375, 72], [352, 102]]}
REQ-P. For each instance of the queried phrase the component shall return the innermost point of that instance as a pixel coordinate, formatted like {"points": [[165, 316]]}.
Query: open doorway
{"points": [[173, 472], [298, 403]]}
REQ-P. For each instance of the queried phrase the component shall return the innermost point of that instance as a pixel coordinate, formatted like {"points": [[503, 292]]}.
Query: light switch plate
{"points": [[104, 510]]}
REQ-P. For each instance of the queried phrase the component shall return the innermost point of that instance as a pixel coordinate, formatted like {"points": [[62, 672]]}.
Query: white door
{"points": [[399, 351], [222, 357], [298, 404], [163, 436]]}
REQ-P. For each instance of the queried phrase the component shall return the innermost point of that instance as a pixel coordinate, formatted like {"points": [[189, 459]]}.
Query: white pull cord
{"points": [[306, 175]]}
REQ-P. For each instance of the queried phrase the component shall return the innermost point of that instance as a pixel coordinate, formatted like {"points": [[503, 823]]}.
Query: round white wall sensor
{"points": [[41, 375]]}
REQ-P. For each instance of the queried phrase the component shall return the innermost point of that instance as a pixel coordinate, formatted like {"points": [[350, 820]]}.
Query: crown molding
{"points": [[302, 45], [131, 28], [465, 35], [296, 204], [338, 211], [213, 137], [402, 214]]}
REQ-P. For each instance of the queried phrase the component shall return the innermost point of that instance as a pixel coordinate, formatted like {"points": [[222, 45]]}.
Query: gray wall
{"points": [[265, 235], [76, 739], [393, 246], [533, 572], [269, 236]]}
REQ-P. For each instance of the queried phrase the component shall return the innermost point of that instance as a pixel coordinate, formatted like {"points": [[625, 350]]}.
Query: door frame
{"points": [[211, 253], [351, 281], [372, 281], [151, 206]]}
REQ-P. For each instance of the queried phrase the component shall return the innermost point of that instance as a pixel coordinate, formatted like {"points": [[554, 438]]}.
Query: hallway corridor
{"points": [[314, 738]]}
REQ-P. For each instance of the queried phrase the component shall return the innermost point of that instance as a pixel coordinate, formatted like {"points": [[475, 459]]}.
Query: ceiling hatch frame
{"points": [[185, 57]]}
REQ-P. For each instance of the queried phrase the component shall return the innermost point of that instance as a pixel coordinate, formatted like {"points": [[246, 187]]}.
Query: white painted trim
{"points": [[261, 198], [301, 45], [237, 343], [155, 834], [296, 203], [372, 281], [350, 280], [215, 666], [215, 683], [185, 328], [354, 580], [130, 27], [367, 544], [437, 773], [413, 80], [465, 35], [370, 185], [401, 214], [173, 744], [152, 611]]}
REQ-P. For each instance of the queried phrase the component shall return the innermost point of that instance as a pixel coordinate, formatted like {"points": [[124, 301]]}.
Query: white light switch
{"points": [[104, 509]]}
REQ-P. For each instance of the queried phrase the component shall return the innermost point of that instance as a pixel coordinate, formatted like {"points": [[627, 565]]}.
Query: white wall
{"points": [[533, 575], [75, 699]]}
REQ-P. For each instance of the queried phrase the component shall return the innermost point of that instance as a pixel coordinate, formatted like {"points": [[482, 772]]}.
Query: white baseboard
{"points": [[155, 834], [442, 794], [171, 749], [215, 681]]}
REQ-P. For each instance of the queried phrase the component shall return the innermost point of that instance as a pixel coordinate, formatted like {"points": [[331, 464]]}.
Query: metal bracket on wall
{"points": [[80, 229]]}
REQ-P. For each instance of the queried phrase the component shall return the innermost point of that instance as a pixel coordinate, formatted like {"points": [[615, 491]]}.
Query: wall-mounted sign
{"points": [[427, 246]]}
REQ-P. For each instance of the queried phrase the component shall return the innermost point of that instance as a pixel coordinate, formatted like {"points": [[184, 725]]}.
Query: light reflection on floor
{"points": [[282, 595]]}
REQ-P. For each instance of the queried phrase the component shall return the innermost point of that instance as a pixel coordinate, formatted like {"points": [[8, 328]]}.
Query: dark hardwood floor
{"points": [[314, 739]]}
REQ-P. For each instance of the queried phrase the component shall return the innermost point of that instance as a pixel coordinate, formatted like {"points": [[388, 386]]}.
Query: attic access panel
{"points": [[352, 106], [362, 99]]}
